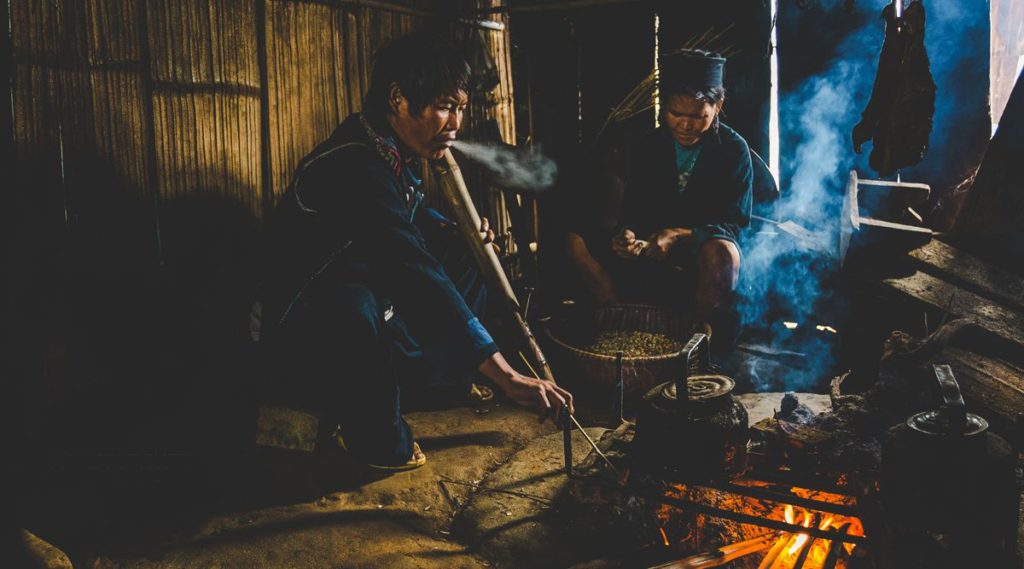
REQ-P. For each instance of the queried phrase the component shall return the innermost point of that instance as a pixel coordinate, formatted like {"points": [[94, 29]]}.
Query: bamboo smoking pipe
{"points": [[455, 192]]}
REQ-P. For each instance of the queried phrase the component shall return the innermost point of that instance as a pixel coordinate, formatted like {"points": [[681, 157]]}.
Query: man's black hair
{"points": [[424, 67]]}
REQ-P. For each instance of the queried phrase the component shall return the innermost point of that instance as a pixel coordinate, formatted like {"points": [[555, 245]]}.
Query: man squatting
{"points": [[370, 297]]}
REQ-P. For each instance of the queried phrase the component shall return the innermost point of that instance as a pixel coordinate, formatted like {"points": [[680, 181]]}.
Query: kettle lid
{"points": [[702, 387], [951, 418], [938, 422]]}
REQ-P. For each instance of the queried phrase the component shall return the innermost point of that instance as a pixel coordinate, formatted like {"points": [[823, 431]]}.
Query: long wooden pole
{"points": [[455, 192]]}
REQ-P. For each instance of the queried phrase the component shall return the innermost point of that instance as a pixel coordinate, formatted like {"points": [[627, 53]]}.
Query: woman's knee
{"points": [[720, 257]]}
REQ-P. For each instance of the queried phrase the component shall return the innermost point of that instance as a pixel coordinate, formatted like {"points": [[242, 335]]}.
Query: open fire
{"points": [[778, 549], [800, 550]]}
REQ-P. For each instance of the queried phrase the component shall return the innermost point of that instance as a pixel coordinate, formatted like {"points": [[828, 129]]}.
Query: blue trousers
{"points": [[339, 356]]}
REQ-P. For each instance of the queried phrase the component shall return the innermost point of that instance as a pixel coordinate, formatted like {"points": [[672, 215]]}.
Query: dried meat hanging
{"points": [[899, 116]]}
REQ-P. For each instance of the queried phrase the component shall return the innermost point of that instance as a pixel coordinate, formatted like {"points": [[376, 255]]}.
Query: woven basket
{"points": [[640, 373]]}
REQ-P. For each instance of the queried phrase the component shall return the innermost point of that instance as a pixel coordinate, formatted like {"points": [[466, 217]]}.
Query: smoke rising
{"points": [[784, 280], [515, 169]]}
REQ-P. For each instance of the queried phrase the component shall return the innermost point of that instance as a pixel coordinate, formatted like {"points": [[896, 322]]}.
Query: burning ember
{"points": [[801, 551], [782, 549]]}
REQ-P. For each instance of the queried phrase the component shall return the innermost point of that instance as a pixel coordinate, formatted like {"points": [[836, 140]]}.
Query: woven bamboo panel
{"points": [[120, 131], [37, 135], [208, 142], [504, 111], [61, 32], [318, 65], [80, 122], [43, 30], [306, 81], [207, 42], [357, 62], [168, 92], [206, 102], [378, 29], [112, 31]]}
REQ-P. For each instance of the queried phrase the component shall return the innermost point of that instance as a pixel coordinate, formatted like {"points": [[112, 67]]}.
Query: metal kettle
{"points": [[693, 426], [944, 472]]}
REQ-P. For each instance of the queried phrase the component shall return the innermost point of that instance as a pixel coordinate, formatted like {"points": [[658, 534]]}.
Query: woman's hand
{"points": [[627, 246], [662, 241]]}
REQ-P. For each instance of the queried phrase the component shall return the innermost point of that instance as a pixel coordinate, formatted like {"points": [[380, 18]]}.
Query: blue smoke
{"points": [[783, 279]]}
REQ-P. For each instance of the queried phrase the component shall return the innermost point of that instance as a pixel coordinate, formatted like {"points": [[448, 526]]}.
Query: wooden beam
{"points": [[396, 8], [941, 295], [388, 7], [553, 6], [883, 224], [910, 192], [956, 266]]}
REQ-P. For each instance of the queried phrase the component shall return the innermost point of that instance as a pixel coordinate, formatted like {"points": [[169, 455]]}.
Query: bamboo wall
{"points": [[150, 138], [176, 96]]}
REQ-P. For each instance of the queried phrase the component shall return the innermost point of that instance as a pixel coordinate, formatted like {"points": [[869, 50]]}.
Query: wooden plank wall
{"points": [[168, 93]]}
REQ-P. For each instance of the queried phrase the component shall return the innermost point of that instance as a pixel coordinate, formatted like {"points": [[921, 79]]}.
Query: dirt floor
{"points": [[488, 497]]}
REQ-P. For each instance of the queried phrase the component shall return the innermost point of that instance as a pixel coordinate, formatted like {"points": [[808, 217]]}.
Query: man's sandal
{"points": [[417, 460], [479, 393]]}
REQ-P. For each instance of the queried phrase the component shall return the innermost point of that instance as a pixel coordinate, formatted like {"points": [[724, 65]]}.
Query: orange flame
{"points": [[801, 538], [788, 547]]}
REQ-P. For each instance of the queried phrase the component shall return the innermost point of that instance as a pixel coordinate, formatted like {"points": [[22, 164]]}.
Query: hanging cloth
{"points": [[899, 116]]}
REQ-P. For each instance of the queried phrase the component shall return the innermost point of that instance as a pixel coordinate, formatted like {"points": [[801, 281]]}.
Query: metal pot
{"points": [[944, 472], [693, 425]]}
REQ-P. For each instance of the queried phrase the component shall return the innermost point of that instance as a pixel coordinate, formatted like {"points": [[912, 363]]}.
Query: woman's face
{"points": [[688, 117]]}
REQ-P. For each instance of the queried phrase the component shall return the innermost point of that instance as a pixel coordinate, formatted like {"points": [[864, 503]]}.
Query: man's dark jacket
{"points": [[352, 214], [717, 200]]}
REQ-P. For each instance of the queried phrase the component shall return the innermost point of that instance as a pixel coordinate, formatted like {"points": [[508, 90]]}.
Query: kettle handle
{"points": [[952, 399], [698, 347]]}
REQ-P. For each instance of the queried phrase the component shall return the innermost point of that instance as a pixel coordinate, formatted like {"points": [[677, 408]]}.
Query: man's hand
{"points": [[487, 234], [626, 245], [661, 242], [542, 397], [545, 398]]}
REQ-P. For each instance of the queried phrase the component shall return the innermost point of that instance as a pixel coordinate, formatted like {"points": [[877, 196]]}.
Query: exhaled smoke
{"points": [[511, 168]]}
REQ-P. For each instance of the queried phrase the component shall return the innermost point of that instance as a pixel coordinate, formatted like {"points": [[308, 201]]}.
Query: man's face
{"points": [[688, 118], [431, 131]]}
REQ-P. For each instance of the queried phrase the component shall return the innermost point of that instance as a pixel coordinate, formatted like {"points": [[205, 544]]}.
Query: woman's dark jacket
{"points": [[717, 200]]}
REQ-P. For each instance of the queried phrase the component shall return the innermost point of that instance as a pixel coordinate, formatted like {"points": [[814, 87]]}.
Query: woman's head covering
{"points": [[690, 70]]}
